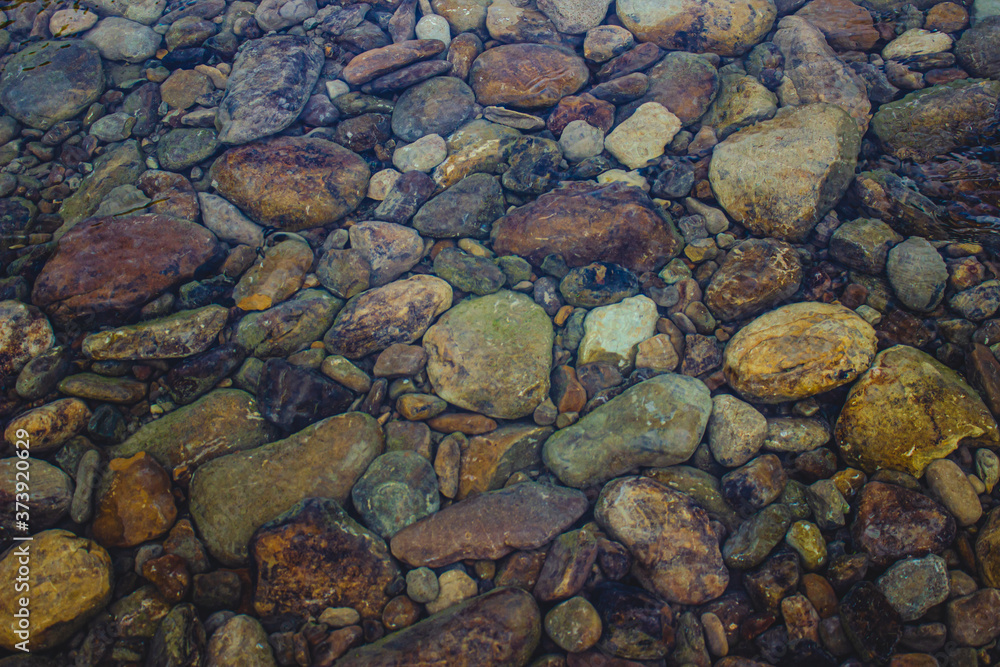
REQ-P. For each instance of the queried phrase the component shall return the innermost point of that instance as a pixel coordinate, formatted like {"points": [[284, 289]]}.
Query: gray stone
{"points": [[917, 273], [397, 489], [914, 585], [121, 39]]}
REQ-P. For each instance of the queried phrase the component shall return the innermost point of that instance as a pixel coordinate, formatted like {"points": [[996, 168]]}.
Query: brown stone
{"points": [[614, 223], [389, 249], [974, 620], [568, 565], [527, 76], [798, 351], [521, 569], [364, 132], [49, 497], [502, 627], [728, 27], [846, 26], [69, 581], [988, 549], [377, 62], [277, 276], [584, 107], [676, 553], [893, 523], [489, 460], [400, 360], [462, 422], [110, 267], [399, 312], [684, 83], [314, 556], [48, 427], [292, 182], [567, 393], [138, 505], [634, 60], [756, 275], [983, 371], [183, 87], [490, 525], [94, 387], [26, 334], [171, 194], [170, 575], [946, 17]]}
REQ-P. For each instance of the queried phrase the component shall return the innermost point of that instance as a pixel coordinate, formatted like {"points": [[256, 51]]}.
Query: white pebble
{"points": [[433, 26]]}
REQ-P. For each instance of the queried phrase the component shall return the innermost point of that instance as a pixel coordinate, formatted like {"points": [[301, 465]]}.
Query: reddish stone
{"points": [[138, 505], [893, 523], [846, 26], [567, 393], [170, 575], [936, 77], [581, 107], [377, 62], [983, 371], [466, 422], [171, 194]]}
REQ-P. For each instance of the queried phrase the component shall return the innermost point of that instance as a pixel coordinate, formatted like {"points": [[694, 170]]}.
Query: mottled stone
{"points": [[637, 625], [377, 62], [389, 249], [269, 86], [893, 523], [756, 537], [870, 622], [292, 182], [975, 51], [908, 410], [727, 28], [529, 76], [490, 525], [863, 244], [846, 26], [25, 334], [798, 351], [47, 500], [574, 625], [658, 422], [490, 459], [292, 397], [466, 209], [643, 136], [756, 275], [240, 641], [49, 426], [917, 273], [289, 326], [754, 485], [974, 620], [174, 336], [234, 495], [987, 550], [914, 585], [437, 106], [138, 504], [397, 489]]}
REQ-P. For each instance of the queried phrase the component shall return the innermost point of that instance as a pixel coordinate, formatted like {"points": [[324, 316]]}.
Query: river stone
{"points": [[49, 426], [611, 333], [289, 326], [110, 267], [726, 27], [501, 627], [490, 525], [736, 430], [315, 556], [756, 275], [25, 333], [676, 553], [271, 82], [863, 244], [438, 106], [48, 498], [975, 50], [526, 76], [390, 249], [69, 581], [778, 195], [684, 83], [988, 549], [492, 355], [894, 523], [938, 120], [51, 81], [814, 72], [397, 489], [656, 423], [228, 222], [642, 137], [121, 39], [797, 351], [142, 11], [399, 312], [489, 460], [915, 585], [845, 25], [466, 209], [373, 63], [234, 495], [742, 101], [917, 273], [223, 421], [137, 505], [175, 336], [186, 147], [753, 540], [119, 166], [585, 223], [292, 396], [908, 410], [240, 641], [292, 182]]}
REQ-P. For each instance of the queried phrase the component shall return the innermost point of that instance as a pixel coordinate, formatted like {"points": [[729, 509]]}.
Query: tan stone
{"points": [[49, 426], [528, 76], [489, 460], [643, 136], [277, 276], [726, 27]]}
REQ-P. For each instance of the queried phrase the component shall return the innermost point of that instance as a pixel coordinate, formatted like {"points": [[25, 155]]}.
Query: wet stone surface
{"points": [[460, 332]]}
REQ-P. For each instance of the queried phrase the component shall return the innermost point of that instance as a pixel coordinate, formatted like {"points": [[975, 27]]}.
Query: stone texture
{"points": [[656, 423], [846, 26], [526, 76], [292, 182], [490, 525], [397, 489], [736, 430], [390, 249], [489, 460], [756, 275], [178, 335], [893, 523], [240, 641], [137, 506], [467, 208], [121, 39], [908, 410], [643, 136], [437, 106], [612, 333], [25, 334], [758, 176], [676, 553], [48, 499], [374, 63], [798, 351], [727, 28]]}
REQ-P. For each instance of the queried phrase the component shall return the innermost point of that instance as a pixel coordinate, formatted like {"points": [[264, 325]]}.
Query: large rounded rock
{"points": [[685, 83], [121, 39], [234, 495], [437, 106], [908, 410], [976, 50], [25, 333], [48, 500], [893, 522], [399, 312], [797, 351], [49, 82], [528, 76], [292, 182], [502, 627], [756, 275], [939, 119], [725, 27], [613, 223], [69, 580], [269, 86], [110, 267], [760, 178], [492, 355], [676, 553], [656, 423], [467, 208]]}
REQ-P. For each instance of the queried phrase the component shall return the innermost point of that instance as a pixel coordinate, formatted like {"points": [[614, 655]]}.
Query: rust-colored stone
{"points": [[489, 460], [756, 275], [169, 573], [614, 223], [527, 76], [377, 62], [171, 194], [138, 505], [846, 26], [567, 392], [585, 107], [894, 523]]}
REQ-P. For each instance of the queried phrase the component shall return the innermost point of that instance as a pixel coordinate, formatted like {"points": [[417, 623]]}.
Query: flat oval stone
{"points": [[893, 523], [437, 106], [223, 421], [526, 76], [49, 426], [797, 351], [583, 223], [25, 333], [241, 638], [870, 622], [69, 581], [174, 336], [377, 62], [236, 494], [313, 557], [138, 504], [676, 553], [598, 284], [502, 627], [277, 276], [269, 86], [658, 423], [490, 525], [492, 355], [908, 410], [289, 326], [51, 81], [49, 498], [756, 275], [727, 28], [292, 397], [399, 312]]}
